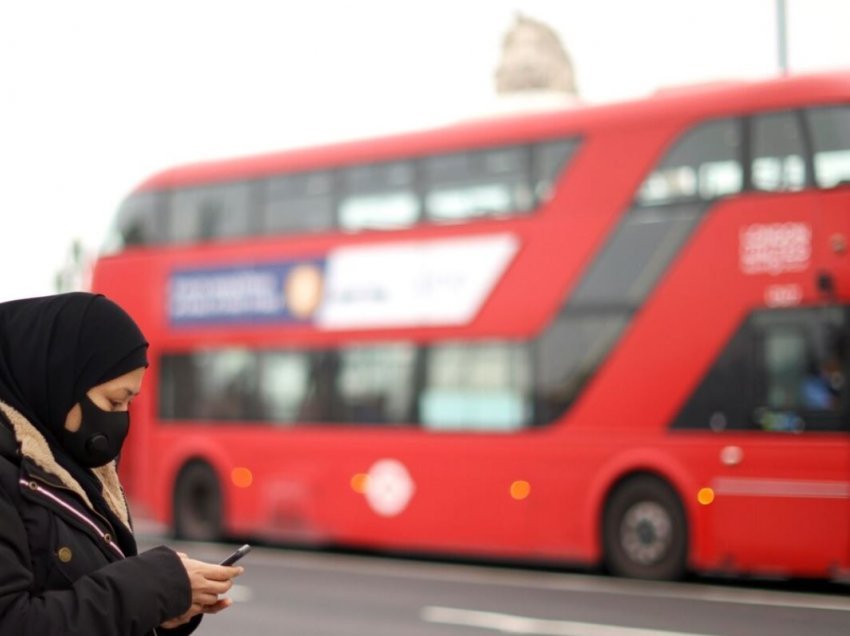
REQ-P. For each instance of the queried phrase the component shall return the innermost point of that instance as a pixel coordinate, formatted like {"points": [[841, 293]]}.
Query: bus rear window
{"points": [[830, 128]]}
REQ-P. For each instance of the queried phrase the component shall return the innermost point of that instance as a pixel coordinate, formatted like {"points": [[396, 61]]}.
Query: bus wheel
{"points": [[197, 504], [645, 531]]}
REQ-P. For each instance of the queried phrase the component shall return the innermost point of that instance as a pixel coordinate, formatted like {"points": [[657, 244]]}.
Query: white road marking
{"points": [[512, 624]]}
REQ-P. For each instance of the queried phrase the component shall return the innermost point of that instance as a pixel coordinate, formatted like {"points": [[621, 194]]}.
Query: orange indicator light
{"points": [[358, 483], [520, 489], [241, 477], [705, 496]]}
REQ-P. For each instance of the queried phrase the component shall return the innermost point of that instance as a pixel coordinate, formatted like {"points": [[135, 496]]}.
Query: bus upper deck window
{"points": [[298, 203], [137, 223], [778, 152], [468, 185], [830, 128], [211, 212], [378, 196], [704, 164], [548, 160]]}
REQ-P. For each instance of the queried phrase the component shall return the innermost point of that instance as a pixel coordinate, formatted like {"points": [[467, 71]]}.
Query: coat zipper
{"points": [[33, 484], [56, 486]]}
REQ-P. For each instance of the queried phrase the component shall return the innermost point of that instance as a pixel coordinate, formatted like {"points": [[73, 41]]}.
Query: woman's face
{"points": [[113, 395]]}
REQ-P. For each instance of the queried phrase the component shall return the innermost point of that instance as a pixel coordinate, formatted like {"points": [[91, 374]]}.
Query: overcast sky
{"points": [[95, 95]]}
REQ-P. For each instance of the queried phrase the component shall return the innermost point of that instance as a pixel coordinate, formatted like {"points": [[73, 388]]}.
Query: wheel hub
{"points": [[646, 532]]}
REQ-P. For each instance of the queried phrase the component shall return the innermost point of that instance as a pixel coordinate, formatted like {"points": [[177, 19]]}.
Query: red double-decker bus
{"points": [[614, 334]]}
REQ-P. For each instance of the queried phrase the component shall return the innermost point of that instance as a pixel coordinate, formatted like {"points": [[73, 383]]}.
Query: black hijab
{"points": [[53, 349]]}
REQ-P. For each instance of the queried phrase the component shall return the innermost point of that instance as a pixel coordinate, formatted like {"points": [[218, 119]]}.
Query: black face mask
{"points": [[100, 436]]}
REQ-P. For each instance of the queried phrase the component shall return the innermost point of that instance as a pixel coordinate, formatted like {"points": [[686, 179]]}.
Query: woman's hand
{"points": [[208, 581]]}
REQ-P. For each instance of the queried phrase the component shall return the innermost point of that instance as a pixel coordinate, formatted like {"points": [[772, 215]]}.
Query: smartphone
{"points": [[237, 554]]}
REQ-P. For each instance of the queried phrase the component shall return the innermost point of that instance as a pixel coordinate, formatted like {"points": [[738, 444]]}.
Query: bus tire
{"points": [[197, 503], [644, 530]]}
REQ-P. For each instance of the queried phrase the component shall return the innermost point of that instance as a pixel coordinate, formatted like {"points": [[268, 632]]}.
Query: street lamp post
{"points": [[782, 36]]}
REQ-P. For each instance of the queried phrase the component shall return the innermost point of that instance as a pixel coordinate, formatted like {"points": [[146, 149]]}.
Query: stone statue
{"points": [[534, 60]]}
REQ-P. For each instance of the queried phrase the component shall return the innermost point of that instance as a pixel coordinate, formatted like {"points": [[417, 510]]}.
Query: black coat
{"points": [[61, 571]]}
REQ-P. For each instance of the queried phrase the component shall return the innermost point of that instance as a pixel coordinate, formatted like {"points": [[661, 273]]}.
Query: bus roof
{"points": [[686, 103]]}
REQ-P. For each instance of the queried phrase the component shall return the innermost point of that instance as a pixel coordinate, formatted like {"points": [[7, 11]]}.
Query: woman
{"points": [[69, 367]]}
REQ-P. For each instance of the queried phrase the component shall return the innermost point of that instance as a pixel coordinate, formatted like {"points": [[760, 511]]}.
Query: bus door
{"points": [[782, 484], [777, 468]]}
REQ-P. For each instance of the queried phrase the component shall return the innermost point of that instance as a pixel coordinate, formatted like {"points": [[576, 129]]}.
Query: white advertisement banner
{"points": [[422, 283]]}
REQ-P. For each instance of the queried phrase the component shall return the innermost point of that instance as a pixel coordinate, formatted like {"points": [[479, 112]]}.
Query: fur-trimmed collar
{"points": [[35, 448]]}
